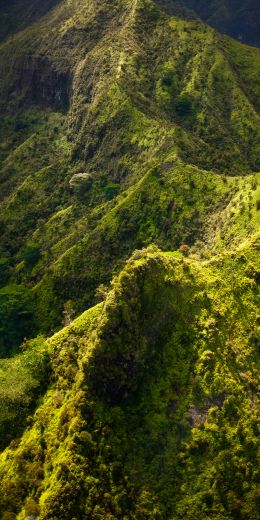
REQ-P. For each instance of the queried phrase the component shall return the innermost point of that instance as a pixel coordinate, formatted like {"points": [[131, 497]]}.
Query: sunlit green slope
{"points": [[121, 126], [151, 409], [129, 192]]}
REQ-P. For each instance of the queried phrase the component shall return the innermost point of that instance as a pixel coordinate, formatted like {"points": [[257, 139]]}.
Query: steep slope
{"points": [[238, 18], [15, 15], [151, 411], [139, 103], [122, 127]]}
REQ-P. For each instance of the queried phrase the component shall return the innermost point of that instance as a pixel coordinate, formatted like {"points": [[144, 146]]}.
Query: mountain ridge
{"points": [[120, 378], [118, 125], [129, 222]]}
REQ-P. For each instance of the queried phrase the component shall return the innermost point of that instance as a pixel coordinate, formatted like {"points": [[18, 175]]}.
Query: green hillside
{"points": [[96, 95], [129, 224], [238, 18], [151, 411], [18, 14]]}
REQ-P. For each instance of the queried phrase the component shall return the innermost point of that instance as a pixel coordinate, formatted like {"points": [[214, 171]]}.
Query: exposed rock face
{"points": [[42, 84], [38, 83], [81, 182]]}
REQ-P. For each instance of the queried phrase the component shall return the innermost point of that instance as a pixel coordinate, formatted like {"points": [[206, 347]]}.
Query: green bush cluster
{"points": [[31, 254]]}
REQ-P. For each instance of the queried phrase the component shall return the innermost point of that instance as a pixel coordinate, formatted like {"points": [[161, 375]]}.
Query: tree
{"points": [[184, 105], [16, 316], [31, 254], [112, 190]]}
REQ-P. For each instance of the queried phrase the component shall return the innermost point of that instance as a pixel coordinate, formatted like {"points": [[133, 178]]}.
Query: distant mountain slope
{"points": [[238, 18], [15, 15]]}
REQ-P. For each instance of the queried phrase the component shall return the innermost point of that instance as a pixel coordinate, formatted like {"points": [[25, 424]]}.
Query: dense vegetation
{"points": [[129, 192], [90, 137], [152, 409]]}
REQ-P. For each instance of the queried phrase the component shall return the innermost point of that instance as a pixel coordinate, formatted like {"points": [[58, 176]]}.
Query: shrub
{"points": [[184, 105], [166, 88], [31, 509], [184, 249], [4, 270], [68, 313], [168, 78], [112, 190], [31, 254], [20, 124]]}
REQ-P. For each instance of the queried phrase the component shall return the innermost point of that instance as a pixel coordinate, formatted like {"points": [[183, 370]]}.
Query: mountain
{"points": [[18, 14], [129, 218], [151, 409], [87, 91], [238, 18]]}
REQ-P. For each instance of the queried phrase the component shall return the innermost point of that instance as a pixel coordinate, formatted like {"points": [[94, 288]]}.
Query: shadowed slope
{"points": [[16, 15], [238, 18]]}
